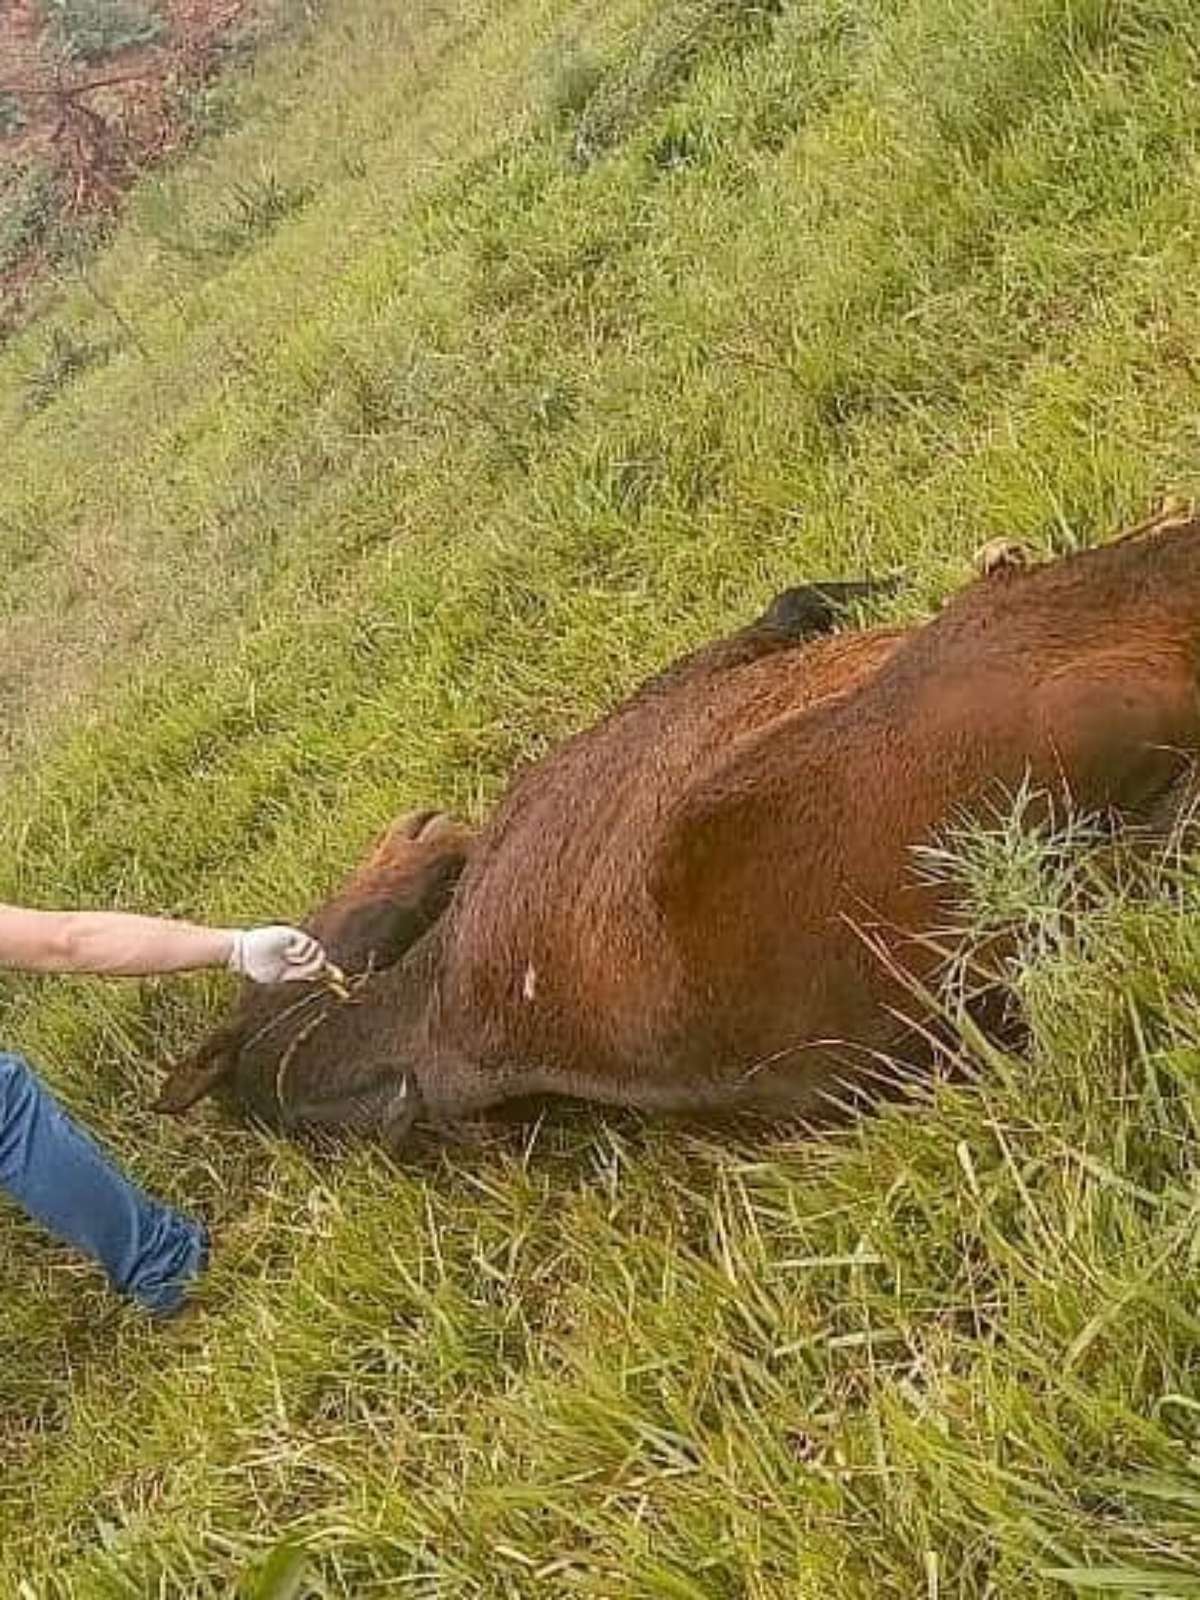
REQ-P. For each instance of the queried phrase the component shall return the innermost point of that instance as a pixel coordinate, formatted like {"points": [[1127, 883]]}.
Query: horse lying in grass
{"points": [[708, 902]]}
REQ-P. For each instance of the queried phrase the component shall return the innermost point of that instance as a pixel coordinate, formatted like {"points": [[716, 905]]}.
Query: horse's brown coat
{"points": [[707, 901]]}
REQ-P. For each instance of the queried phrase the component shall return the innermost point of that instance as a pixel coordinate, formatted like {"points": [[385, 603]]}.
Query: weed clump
{"points": [[665, 58], [571, 77], [253, 209], [64, 357]]}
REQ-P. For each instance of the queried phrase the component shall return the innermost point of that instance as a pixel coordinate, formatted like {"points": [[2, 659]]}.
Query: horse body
{"points": [[709, 900]]}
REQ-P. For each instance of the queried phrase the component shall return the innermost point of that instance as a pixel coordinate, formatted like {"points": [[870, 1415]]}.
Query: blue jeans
{"points": [[60, 1176]]}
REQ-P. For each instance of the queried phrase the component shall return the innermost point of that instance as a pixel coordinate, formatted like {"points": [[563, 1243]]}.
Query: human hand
{"points": [[276, 955]]}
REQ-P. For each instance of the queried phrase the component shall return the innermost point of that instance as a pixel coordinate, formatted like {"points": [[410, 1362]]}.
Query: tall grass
{"points": [[588, 328]]}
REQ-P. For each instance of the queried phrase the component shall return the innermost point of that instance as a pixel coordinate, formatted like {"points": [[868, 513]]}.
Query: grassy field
{"points": [[491, 355]]}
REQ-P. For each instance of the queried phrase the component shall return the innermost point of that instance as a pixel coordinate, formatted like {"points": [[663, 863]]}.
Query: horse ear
{"points": [[198, 1075]]}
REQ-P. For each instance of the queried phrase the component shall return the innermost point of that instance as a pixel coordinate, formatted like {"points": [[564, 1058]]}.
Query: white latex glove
{"points": [[276, 955]]}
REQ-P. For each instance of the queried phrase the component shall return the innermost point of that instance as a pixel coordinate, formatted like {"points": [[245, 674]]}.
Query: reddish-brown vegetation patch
{"points": [[90, 94]]}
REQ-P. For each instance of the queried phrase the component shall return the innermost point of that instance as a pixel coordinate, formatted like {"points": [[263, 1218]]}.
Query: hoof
{"points": [[1177, 508], [1001, 555], [1174, 511], [809, 609]]}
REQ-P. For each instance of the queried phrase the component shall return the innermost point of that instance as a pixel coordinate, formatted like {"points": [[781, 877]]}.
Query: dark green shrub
{"points": [[12, 118], [91, 30], [27, 209]]}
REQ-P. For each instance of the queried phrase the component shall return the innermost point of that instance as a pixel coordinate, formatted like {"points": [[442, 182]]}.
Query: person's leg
{"points": [[59, 1175]]}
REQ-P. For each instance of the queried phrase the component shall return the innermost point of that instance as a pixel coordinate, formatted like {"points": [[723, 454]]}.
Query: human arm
{"points": [[116, 944]]}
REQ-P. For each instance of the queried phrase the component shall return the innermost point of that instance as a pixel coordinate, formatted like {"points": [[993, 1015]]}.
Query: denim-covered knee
{"points": [[20, 1094], [18, 1085]]}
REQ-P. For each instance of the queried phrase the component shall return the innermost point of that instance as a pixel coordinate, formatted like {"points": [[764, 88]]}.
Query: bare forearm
{"points": [[110, 943]]}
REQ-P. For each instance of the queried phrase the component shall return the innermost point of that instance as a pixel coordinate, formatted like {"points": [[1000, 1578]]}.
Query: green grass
{"points": [[491, 357]]}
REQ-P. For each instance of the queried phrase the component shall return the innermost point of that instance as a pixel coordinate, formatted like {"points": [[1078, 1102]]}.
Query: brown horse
{"points": [[708, 902]]}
